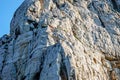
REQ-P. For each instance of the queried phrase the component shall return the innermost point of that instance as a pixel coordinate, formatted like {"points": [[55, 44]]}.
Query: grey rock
{"points": [[9, 72], [62, 40]]}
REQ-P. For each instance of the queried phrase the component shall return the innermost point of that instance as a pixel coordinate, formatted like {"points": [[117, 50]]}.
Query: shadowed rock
{"points": [[62, 40]]}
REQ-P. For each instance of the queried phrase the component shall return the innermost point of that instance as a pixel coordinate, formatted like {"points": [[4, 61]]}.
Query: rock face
{"points": [[62, 40]]}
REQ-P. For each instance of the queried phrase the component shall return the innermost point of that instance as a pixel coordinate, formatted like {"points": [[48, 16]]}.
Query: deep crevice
{"points": [[36, 76], [0, 78], [42, 63], [56, 2], [17, 32], [50, 64], [3, 42], [33, 22], [35, 33], [115, 5], [102, 23], [63, 70], [29, 21], [30, 56], [23, 78], [59, 5]]}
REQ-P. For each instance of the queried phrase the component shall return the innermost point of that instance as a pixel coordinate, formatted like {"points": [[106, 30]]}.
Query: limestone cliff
{"points": [[62, 40]]}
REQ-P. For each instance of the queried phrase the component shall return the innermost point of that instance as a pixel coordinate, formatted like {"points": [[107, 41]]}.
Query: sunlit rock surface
{"points": [[62, 40]]}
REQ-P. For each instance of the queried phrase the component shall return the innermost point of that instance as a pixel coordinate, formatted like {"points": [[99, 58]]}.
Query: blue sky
{"points": [[7, 9]]}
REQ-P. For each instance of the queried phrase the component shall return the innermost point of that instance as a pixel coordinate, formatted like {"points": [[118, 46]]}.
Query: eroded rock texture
{"points": [[62, 40]]}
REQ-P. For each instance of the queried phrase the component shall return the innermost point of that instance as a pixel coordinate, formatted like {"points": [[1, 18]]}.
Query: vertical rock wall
{"points": [[62, 40]]}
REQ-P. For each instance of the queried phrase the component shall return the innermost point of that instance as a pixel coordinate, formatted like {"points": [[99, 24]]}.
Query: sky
{"points": [[7, 9]]}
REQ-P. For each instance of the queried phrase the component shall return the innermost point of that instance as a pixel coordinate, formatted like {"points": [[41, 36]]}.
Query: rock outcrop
{"points": [[62, 40]]}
